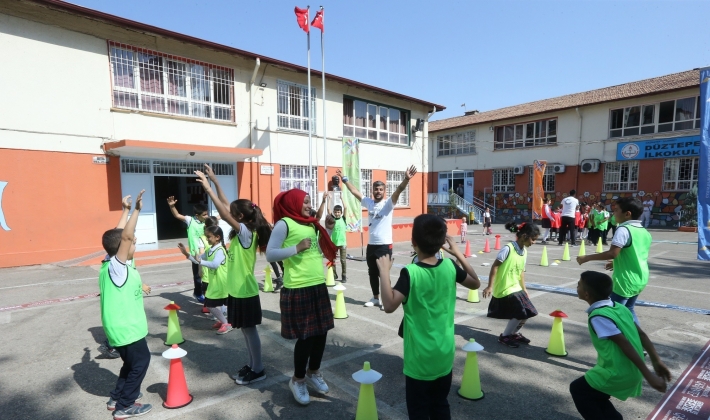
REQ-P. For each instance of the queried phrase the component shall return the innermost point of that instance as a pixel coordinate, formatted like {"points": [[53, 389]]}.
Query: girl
{"points": [[583, 220], [464, 229], [215, 260], [487, 222], [546, 219], [507, 285], [209, 221], [555, 223], [306, 314], [249, 231]]}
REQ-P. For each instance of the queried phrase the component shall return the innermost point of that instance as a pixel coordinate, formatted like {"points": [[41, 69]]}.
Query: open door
{"points": [[132, 184]]}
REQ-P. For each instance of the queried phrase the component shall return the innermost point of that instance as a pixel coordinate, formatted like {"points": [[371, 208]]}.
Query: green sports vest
{"points": [[217, 276], [429, 346], [508, 274], [122, 312], [630, 273], [305, 268], [615, 374], [338, 235], [241, 281], [195, 230], [600, 222]]}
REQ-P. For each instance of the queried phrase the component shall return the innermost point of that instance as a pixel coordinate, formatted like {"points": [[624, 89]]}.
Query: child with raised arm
{"points": [[619, 341], [335, 225], [195, 230], [123, 316], [427, 291]]}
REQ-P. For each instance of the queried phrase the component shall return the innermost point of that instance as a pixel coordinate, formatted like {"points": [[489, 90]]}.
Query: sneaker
{"points": [[373, 302], [243, 371], [520, 338], [133, 411], [251, 377], [108, 351], [316, 381], [344, 279], [543, 242], [224, 329], [111, 403], [217, 325], [508, 340], [278, 284], [205, 310], [201, 298], [299, 391]]}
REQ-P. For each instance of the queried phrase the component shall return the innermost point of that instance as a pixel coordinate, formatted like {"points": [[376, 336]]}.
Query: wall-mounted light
{"points": [[490, 128], [262, 84]]}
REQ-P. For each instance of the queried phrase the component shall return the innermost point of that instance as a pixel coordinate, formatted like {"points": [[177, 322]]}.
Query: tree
{"points": [[690, 213], [452, 203]]}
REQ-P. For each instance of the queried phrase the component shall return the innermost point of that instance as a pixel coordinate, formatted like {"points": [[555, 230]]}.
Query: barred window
{"points": [[156, 82], [296, 176], [457, 143], [167, 167], [548, 179], [366, 182], [292, 106], [538, 133], [503, 180], [621, 176], [394, 178], [680, 174]]}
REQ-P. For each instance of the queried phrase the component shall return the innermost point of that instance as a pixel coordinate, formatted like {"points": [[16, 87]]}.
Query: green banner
{"points": [[351, 169]]}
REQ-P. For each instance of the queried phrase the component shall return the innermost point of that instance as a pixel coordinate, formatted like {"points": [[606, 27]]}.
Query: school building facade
{"points": [[640, 139], [96, 107]]}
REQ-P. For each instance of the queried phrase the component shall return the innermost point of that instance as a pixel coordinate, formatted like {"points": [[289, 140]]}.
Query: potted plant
{"points": [[689, 220], [452, 203]]}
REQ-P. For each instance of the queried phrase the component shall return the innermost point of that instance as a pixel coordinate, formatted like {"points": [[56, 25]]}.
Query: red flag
{"points": [[318, 20], [302, 18]]}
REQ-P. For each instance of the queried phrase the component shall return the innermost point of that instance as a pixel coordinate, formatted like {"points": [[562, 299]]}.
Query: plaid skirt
{"points": [[244, 312], [305, 312], [516, 305], [215, 303]]}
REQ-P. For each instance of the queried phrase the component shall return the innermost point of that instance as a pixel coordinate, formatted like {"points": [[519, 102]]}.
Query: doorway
{"points": [[188, 192]]}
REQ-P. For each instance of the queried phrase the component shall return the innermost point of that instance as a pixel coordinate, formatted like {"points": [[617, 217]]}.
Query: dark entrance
{"points": [[187, 192]]}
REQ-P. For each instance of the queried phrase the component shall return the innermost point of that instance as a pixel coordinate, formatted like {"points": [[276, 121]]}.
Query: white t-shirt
{"points": [[380, 220], [647, 205], [569, 206]]}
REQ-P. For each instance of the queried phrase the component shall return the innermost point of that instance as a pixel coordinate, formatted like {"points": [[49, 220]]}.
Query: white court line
{"points": [[143, 273], [648, 285]]}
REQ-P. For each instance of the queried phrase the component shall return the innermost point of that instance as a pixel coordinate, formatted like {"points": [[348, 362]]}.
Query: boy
{"points": [[618, 340], [601, 223], [427, 289], [123, 316], [335, 224], [195, 231], [628, 252]]}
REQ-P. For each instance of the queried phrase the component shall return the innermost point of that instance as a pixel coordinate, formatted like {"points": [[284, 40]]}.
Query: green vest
{"points": [[205, 271], [615, 374], [338, 235], [612, 220], [217, 276], [600, 220], [630, 273], [429, 346], [508, 275], [195, 230], [122, 312], [305, 268], [241, 282]]}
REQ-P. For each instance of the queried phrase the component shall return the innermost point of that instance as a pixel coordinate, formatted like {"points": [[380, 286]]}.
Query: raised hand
{"points": [[139, 200], [209, 172], [202, 179], [172, 201], [127, 202], [182, 249], [339, 173], [384, 263], [411, 171]]}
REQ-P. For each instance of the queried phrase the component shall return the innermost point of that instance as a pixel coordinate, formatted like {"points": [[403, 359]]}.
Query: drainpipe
{"points": [[251, 129], [579, 151], [425, 146]]}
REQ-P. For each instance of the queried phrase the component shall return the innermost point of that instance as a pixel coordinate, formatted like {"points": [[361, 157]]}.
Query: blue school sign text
{"points": [[659, 148]]}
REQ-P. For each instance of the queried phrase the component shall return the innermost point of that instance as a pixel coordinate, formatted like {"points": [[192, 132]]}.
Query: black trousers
{"points": [[196, 279], [308, 352], [136, 358], [372, 253], [567, 225], [592, 404], [428, 399], [275, 267]]}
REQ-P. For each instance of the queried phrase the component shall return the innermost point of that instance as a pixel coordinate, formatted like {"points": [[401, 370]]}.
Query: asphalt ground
{"points": [[50, 366]]}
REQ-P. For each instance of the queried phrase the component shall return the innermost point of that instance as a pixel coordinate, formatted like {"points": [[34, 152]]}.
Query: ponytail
{"points": [[251, 216], [525, 228]]}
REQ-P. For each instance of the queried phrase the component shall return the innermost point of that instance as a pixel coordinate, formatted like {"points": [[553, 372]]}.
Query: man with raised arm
{"points": [[379, 213]]}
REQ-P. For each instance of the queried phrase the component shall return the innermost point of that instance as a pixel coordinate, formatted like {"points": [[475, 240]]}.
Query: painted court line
{"points": [[80, 280]]}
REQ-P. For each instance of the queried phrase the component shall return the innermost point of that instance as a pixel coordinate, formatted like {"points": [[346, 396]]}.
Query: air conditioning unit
{"points": [[558, 168], [590, 165], [519, 170]]}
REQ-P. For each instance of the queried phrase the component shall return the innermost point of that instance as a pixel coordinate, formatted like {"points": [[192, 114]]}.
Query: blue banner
{"points": [[704, 170], [668, 148]]}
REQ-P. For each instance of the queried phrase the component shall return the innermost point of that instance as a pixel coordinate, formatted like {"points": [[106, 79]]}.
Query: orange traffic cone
{"points": [[467, 252], [487, 248], [178, 395], [497, 245]]}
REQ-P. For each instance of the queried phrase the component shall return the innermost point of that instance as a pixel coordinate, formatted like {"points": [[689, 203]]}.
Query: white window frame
{"points": [[381, 116], [548, 179], [463, 143], [502, 179], [288, 118], [621, 176], [674, 180], [652, 128], [296, 176], [394, 178], [366, 182], [527, 134]]}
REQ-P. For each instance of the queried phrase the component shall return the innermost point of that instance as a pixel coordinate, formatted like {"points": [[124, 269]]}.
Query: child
{"points": [[427, 291], [507, 285], [195, 230], [215, 262], [487, 222], [547, 218], [464, 229], [123, 316], [601, 222], [577, 221], [583, 221], [335, 225], [613, 224], [620, 367], [629, 252], [209, 221], [593, 235], [556, 222]]}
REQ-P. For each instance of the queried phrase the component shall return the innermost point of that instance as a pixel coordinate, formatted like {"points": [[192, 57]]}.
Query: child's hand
{"points": [[172, 201], [609, 265], [581, 260], [139, 200], [384, 263], [127, 202], [146, 289], [303, 245], [661, 370], [209, 171], [452, 248], [486, 292], [658, 383], [203, 180], [325, 197], [182, 249], [339, 173]]}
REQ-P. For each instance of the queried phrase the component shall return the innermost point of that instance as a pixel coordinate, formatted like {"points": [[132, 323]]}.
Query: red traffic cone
{"points": [[487, 248], [178, 395], [497, 245], [467, 252]]}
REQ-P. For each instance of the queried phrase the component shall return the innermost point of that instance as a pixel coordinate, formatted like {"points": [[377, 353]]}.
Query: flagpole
{"points": [[325, 141], [310, 110]]}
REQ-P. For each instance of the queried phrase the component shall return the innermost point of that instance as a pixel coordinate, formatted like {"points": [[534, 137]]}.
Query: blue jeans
{"points": [[629, 302]]}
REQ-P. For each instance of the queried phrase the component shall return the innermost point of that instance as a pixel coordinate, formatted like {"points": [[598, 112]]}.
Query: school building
{"points": [[640, 138], [96, 106]]}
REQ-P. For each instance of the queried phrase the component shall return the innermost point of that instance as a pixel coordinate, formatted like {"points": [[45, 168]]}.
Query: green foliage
{"points": [[690, 209]]}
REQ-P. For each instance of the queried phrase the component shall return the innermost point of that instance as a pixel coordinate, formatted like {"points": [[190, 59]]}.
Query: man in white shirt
{"points": [[646, 215], [569, 206], [379, 213]]}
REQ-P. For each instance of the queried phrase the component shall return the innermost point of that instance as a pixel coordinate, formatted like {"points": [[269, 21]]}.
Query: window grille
{"points": [[366, 182], [457, 143], [394, 178], [538, 133], [503, 180], [661, 117], [548, 179], [621, 176], [680, 174], [135, 166], [296, 176], [188, 168], [375, 122], [292, 110]]}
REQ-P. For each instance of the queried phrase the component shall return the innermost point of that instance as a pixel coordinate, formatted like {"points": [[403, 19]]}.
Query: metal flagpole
{"points": [[325, 137], [310, 112]]}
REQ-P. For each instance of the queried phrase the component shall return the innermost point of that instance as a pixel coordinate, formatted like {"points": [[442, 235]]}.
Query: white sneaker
{"points": [[316, 381], [299, 391], [373, 302]]}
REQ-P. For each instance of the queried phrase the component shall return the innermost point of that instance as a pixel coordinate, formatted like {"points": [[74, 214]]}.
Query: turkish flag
{"points": [[302, 18], [318, 20]]}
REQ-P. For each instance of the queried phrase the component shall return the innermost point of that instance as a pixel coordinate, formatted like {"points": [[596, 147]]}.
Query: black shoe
{"points": [[243, 371], [335, 274], [520, 338], [278, 284], [344, 279], [251, 377], [108, 351], [508, 340]]}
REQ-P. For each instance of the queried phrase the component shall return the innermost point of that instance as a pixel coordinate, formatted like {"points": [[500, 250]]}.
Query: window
{"points": [[457, 143], [674, 115], [292, 109], [296, 176], [680, 174], [394, 178], [621, 176], [531, 134], [503, 180], [366, 182], [375, 122], [548, 179], [157, 82]]}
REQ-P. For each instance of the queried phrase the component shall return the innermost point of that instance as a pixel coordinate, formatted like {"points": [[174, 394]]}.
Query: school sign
{"points": [[668, 148]]}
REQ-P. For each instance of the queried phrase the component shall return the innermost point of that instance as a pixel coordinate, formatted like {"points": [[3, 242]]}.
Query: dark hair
{"points": [[211, 221], [215, 230], [572, 192], [525, 228], [253, 219], [632, 205], [199, 208], [377, 184], [545, 200], [111, 241], [598, 285], [337, 207], [429, 233]]}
